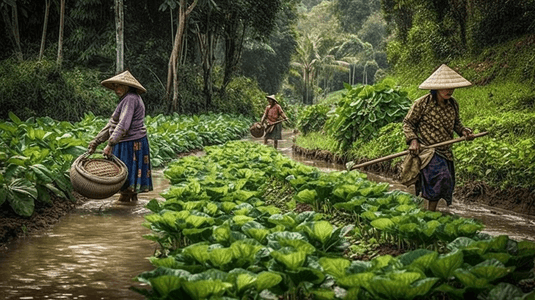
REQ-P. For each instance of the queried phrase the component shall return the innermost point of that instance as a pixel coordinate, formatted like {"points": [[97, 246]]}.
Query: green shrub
{"points": [[313, 118], [364, 110], [38, 88], [243, 97]]}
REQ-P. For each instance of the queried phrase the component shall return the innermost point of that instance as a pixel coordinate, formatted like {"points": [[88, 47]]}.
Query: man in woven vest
{"points": [[432, 119]]}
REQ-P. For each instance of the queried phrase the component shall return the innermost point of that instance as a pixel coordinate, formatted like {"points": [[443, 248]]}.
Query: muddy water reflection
{"points": [[92, 253], [497, 221]]}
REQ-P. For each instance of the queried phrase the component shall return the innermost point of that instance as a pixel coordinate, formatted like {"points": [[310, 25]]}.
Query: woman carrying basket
{"points": [[126, 135], [272, 113]]}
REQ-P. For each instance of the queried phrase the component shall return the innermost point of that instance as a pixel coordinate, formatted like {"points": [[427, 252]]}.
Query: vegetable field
{"points": [[36, 154], [220, 238]]}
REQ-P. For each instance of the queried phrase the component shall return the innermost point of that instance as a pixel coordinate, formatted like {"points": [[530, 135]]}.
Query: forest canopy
{"points": [[196, 56]]}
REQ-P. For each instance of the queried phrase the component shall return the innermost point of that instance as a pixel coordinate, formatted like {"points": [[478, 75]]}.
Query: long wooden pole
{"points": [[392, 156]]}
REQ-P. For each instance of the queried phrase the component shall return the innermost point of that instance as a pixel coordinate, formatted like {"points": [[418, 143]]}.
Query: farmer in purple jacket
{"points": [[126, 135]]}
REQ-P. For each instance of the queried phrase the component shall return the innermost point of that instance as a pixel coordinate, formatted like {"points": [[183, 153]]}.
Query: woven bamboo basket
{"points": [[97, 178], [257, 130]]}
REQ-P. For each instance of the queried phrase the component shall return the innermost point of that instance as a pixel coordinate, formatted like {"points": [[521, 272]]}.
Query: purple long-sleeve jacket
{"points": [[126, 122]]}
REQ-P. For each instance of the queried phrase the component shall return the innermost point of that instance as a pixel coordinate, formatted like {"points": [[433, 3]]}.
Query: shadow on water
{"points": [[92, 253], [497, 221]]}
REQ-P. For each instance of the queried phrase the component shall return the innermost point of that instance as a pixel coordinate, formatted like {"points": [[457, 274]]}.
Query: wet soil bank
{"points": [[519, 200], [13, 226]]}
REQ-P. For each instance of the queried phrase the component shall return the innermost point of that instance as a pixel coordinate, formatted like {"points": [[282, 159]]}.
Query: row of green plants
{"points": [[504, 158], [220, 239], [36, 154]]}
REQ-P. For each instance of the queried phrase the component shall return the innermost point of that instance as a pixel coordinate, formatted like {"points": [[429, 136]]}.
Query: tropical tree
{"points": [[305, 62], [184, 9]]}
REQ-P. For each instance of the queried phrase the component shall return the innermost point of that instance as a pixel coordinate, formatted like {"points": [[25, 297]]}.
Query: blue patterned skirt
{"points": [[437, 180], [136, 156]]}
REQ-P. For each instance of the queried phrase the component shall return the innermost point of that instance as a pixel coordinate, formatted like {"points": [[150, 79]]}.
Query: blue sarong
{"points": [[136, 156], [437, 180]]}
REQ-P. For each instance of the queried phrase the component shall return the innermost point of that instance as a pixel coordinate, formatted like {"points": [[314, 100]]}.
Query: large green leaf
{"points": [[255, 230], [382, 223], [267, 280], [203, 289], [505, 291], [445, 266], [420, 258], [291, 260], [334, 266], [491, 270], [470, 280], [21, 195], [306, 196], [165, 284], [245, 251]]}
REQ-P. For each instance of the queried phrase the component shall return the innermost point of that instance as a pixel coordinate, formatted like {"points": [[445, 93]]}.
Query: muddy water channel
{"points": [[92, 253], [96, 250]]}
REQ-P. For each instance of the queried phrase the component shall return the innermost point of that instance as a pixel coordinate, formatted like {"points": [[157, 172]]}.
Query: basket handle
{"points": [[86, 155]]}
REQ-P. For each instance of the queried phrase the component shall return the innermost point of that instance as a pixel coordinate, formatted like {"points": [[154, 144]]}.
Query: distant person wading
{"points": [[273, 113]]}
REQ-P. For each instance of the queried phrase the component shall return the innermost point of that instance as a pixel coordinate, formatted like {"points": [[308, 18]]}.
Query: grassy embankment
{"points": [[500, 101]]}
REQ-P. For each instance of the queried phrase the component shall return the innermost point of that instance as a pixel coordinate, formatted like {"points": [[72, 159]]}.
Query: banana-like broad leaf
{"points": [[43, 194]]}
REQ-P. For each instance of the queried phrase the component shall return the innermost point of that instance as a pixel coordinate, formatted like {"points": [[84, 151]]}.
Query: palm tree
{"points": [[305, 62]]}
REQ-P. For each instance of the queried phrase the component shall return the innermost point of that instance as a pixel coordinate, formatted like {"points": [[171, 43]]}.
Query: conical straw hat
{"points": [[444, 78], [124, 78], [272, 97]]}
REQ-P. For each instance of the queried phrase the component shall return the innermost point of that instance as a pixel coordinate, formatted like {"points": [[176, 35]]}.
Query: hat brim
{"points": [[444, 78], [272, 98], [124, 78]]}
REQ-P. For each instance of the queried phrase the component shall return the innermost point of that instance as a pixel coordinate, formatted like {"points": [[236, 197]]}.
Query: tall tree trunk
{"points": [[12, 23], [206, 46], [13, 34], [172, 76], [233, 49], [61, 27], [119, 35], [45, 26]]}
